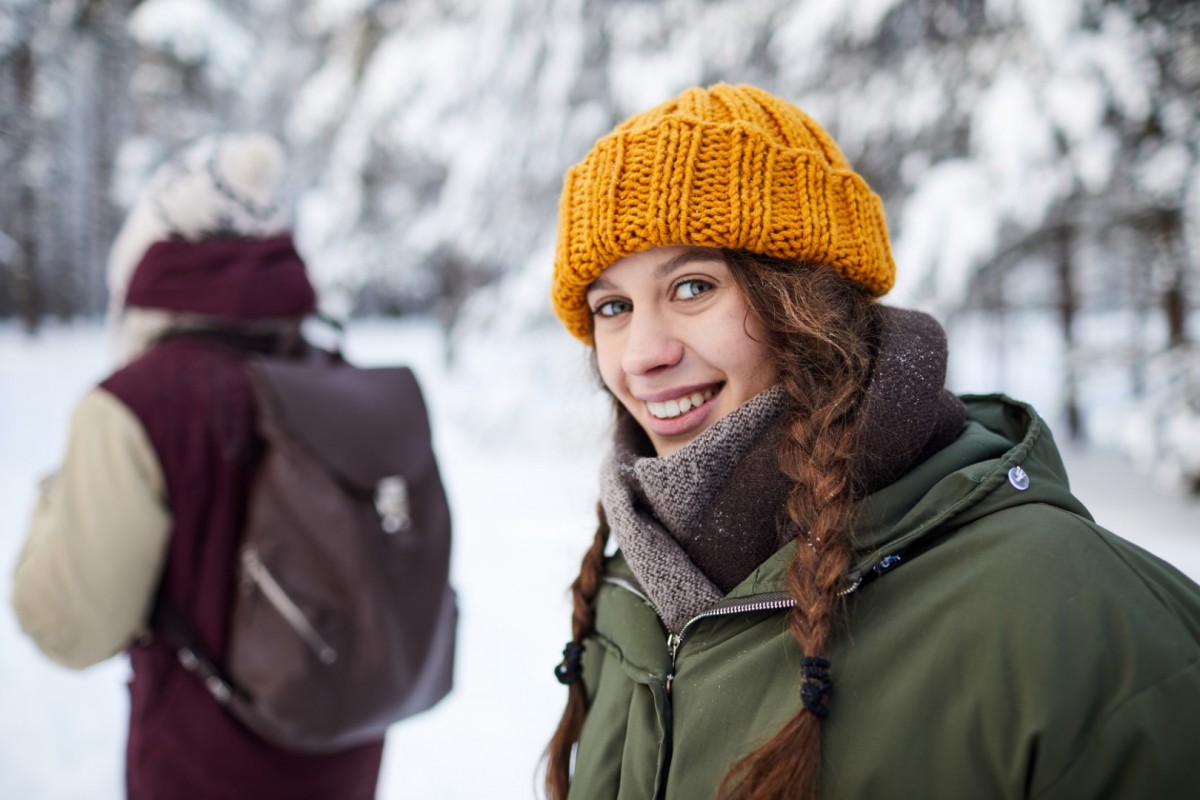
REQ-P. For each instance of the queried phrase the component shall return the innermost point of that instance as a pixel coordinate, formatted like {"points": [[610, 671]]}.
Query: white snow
{"points": [[1016, 141], [196, 32], [520, 429], [948, 222], [1165, 172], [1050, 22]]}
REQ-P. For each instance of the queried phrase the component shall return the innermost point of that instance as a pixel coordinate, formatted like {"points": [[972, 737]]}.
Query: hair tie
{"points": [[570, 670], [816, 685]]}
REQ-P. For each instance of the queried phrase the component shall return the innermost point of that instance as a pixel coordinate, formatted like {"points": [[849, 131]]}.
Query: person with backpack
{"points": [[149, 504], [817, 572]]}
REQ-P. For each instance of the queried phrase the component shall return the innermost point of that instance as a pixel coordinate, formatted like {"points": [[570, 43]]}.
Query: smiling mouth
{"points": [[670, 409]]}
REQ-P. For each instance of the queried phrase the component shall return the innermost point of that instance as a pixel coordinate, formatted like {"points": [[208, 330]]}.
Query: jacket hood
{"points": [[241, 280], [964, 481]]}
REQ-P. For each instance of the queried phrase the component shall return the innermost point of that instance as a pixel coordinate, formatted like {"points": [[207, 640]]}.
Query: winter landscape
{"points": [[1039, 163]]}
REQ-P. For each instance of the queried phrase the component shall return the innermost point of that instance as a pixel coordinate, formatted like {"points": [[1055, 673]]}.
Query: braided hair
{"points": [[583, 592], [823, 332]]}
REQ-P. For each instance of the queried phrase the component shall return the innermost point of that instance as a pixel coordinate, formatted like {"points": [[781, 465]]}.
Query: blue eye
{"points": [[692, 288], [611, 308]]}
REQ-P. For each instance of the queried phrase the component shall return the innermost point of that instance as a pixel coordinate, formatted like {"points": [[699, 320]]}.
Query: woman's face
{"points": [[676, 342]]}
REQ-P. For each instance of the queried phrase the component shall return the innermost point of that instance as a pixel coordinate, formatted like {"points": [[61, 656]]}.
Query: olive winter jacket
{"points": [[1000, 645]]}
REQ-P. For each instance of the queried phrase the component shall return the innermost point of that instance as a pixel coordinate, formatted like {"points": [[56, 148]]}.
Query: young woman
{"points": [[832, 578], [151, 496]]}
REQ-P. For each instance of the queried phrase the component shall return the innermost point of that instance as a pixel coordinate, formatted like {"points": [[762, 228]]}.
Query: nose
{"points": [[650, 345]]}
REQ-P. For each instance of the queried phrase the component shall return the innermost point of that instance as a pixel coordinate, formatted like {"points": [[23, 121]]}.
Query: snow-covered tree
{"points": [[1039, 161]]}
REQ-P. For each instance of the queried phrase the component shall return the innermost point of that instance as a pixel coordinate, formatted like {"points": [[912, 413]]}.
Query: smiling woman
{"points": [[833, 577], [676, 343]]}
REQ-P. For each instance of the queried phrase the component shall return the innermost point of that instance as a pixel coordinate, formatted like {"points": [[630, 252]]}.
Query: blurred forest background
{"points": [[1039, 159]]}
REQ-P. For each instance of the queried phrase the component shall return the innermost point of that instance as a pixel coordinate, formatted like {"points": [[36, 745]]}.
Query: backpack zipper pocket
{"points": [[256, 571]]}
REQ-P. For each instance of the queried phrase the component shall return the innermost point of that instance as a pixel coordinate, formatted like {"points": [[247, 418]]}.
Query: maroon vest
{"points": [[194, 400]]}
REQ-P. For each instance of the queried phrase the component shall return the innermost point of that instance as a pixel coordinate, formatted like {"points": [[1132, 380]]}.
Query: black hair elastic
{"points": [[816, 685], [570, 670]]}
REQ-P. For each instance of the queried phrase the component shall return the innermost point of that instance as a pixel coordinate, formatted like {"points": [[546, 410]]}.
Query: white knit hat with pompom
{"points": [[223, 185]]}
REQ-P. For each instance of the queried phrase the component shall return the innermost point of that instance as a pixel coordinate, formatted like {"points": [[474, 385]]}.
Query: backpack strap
{"points": [[191, 654], [193, 657]]}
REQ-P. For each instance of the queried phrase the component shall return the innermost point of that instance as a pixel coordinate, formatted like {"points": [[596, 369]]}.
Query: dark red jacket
{"points": [[194, 400]]}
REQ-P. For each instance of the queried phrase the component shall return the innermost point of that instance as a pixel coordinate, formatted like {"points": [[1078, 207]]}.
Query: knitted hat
{"points": [[222, 186], [727, 166]]}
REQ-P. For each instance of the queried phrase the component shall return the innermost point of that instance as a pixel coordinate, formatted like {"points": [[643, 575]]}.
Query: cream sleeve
{"points": [[86, 576]]}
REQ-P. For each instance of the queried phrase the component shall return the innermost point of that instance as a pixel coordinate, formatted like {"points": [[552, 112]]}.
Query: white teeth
{"points": [[673, 408]]}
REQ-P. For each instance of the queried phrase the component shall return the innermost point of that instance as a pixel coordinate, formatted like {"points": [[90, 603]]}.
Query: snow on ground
{"points": [[519, 431]]}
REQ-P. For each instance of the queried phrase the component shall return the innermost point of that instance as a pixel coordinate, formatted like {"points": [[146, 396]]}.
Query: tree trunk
{"points": [[1068, 305], [1168, 229], [28, 302]]}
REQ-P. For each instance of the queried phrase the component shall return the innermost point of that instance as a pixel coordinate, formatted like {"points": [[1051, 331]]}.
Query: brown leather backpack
{"points": [[344, 619]]}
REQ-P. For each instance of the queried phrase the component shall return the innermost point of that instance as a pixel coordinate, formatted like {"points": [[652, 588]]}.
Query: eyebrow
{"points": [[667, 267]]}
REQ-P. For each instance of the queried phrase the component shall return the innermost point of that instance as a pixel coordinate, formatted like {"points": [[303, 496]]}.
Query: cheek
{"points": [[608, 365], [754, 360]]}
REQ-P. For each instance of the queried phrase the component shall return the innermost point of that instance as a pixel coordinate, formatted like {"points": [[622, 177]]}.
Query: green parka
{"points": [[1014, 649]]}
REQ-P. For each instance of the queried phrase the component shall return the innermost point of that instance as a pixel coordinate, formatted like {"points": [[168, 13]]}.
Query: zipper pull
{"points": [[292, 614], [673, 642]]}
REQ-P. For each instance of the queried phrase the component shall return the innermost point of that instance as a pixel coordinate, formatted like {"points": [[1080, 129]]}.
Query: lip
{"points": [[690, 421], [680, 391]]}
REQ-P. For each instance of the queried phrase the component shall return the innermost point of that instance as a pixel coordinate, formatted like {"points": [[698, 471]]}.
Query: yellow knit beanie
{"points": [[727, 166]]}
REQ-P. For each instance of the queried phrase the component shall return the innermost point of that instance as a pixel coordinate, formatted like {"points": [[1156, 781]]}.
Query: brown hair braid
{"points": [[583, 591], [822, 332]]}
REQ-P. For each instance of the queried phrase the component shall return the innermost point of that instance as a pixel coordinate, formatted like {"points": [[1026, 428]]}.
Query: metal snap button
{"points": [[1019, 478]]}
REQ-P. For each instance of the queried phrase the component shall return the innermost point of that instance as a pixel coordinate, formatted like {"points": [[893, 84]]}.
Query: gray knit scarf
{"points": [[657, 505], [694, 523]]}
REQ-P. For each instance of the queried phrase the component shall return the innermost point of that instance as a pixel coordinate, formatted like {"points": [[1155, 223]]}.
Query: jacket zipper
{"points": [[764, 602], [254, 569], [769, 601], [772, 601]]}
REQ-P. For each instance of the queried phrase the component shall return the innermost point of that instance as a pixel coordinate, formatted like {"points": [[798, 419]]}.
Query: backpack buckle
{"points": [[391, 503]]}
